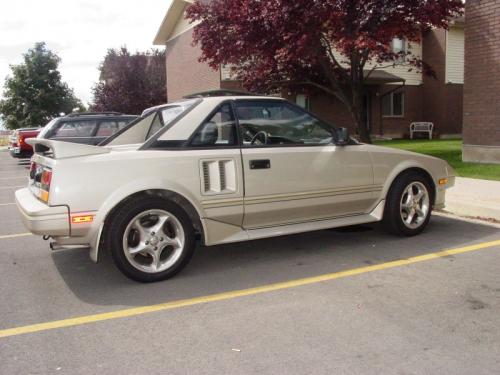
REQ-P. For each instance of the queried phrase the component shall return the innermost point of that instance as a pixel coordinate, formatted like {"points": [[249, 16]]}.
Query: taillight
{"points": [[45, 184], [20, 140], [46, 178], [40, 179]]}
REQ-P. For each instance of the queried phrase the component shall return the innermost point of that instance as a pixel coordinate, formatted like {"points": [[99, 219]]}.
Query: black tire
{"points": [[119, 222], [393, 220]]}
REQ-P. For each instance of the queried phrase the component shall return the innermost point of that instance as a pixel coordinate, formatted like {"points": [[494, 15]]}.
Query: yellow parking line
{"points": [[236, 293], [13, 177], [12, 187], [14, 235], [7, 204]]}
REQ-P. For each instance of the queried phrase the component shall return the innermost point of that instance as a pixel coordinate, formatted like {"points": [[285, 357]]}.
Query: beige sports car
{"points": [[220, 168]]}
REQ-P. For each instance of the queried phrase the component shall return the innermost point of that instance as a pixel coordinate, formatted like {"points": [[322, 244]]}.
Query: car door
{"points": [[215, 150], [293, 172]]}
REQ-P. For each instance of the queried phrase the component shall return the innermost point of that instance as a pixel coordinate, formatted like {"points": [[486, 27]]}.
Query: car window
{"points": [[268, 123], [81, 128], [110, 127], [219, 130], [155, 126], [170, 113]]}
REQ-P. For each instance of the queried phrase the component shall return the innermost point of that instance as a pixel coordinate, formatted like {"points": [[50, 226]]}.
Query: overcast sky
{"points": [[79, 31]]}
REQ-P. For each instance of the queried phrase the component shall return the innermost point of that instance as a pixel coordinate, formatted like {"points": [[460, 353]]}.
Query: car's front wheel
{"points": [[151, 239], [409, 205]]}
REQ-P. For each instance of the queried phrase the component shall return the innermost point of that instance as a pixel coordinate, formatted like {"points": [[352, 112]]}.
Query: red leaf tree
{"points": [[332, 45], [130, 83]]}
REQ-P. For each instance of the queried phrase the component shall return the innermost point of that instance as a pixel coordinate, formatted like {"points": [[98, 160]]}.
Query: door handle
{"points": [[260, 164]]}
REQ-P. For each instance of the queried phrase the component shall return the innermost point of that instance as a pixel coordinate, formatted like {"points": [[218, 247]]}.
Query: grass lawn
{"points": [[449, 150]]}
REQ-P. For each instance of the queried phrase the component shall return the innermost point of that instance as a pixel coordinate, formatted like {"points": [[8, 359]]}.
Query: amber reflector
{"points": [[82, 219]]}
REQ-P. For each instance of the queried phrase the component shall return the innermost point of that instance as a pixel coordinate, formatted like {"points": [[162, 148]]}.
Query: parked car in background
{"points": [[224, 169], [88, 127], [18, 147]]}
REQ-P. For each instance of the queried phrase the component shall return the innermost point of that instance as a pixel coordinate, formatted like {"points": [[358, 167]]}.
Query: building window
{"points": [[399, 46], [393, 104], [302, 101]]}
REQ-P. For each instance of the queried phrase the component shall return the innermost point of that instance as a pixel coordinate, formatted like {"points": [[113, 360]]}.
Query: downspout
{"points": [[380, 104]]}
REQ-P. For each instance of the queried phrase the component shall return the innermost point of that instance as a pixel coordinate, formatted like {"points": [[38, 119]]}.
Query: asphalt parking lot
{"points": [[351, 301]]}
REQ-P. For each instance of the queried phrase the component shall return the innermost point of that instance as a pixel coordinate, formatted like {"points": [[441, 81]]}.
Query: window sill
{"points": [[402, 116]]}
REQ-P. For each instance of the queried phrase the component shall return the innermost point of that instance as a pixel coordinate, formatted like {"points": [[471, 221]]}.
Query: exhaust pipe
{"points": [[54, 247]]}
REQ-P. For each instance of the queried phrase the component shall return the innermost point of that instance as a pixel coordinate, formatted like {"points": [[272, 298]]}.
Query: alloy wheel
{"points": [[153, 241], [414, 205]]}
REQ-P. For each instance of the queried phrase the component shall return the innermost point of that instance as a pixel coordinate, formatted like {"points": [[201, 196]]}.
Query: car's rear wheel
{"points": [[151, 239], [409, 205]]}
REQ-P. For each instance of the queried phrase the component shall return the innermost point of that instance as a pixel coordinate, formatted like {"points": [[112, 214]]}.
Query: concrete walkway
{"points": [[474, 198]]}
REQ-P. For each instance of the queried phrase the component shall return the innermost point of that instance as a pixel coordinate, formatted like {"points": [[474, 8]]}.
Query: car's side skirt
{"points": [[219, 233]]}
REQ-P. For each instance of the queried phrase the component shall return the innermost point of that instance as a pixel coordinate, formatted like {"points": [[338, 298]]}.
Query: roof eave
{"points": [[169, 21]]}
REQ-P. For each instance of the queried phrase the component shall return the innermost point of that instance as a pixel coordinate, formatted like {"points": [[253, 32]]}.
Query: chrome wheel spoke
{"points": [[158, 226], [407, 205], [174, 242], [155, 259], [141, 247], [410, 216], [419, 195], [409, 192], [140, 229]]}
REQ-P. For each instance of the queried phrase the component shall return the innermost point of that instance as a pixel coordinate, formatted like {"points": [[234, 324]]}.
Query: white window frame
{"points": [[401, 59], [306, 104], [391, 98]]}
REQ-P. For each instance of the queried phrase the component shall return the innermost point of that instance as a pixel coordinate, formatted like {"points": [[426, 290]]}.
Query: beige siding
{"points": [[181, 26], [455, 55], [412, 77]]}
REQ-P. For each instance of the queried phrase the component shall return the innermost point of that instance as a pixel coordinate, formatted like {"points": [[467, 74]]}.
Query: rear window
{"points": [[110, 127], [152, 121], [79, 128]]}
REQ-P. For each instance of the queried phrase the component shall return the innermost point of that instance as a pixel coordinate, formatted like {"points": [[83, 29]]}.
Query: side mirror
{"points": [[342, 136]]}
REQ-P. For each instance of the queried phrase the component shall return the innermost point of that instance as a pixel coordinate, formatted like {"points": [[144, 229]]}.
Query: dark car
{"points": [[18, 147], [87, 127]]}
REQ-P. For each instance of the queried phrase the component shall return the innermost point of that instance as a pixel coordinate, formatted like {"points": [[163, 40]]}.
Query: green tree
{"points": [[35, 93]]}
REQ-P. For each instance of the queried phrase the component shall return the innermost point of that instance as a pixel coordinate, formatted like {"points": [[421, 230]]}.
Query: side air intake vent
{"points": [[218, 177], [206, 177]]}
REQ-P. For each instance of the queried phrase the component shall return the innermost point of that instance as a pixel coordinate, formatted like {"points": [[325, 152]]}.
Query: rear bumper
{"points": [[17, 152], [40, 218]]}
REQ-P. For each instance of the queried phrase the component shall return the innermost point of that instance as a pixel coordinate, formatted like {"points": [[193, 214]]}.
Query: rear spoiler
{"points": [[62, 150]]}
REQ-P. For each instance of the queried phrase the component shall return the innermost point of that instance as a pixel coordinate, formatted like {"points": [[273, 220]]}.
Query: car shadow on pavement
{"points": [[244, 265]]}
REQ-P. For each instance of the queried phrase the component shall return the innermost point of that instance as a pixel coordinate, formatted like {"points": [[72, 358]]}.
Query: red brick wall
{"points": [[482, 73], [185, 75], [332, 110], [442, 102]]}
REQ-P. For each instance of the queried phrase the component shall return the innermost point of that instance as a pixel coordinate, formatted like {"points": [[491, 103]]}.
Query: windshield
{"points": [[152, 121]]}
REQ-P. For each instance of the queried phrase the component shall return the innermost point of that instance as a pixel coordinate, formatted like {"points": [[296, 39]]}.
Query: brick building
{"points": [[482, 82], [396, 96]]}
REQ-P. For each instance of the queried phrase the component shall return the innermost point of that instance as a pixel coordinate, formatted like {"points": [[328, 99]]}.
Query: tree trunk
{"points": [[357, 114]]}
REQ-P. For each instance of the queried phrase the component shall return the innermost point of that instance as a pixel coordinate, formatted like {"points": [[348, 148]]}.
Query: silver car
{"points": [[223, 169]]}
